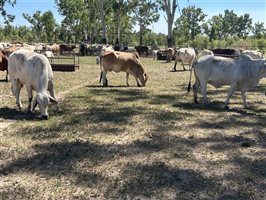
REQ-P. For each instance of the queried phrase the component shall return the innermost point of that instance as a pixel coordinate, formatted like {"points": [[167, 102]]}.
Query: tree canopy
{"points": [[128, 22]]}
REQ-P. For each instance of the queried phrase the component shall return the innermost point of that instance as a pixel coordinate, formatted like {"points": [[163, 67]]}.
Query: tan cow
{"points": [[55, 48], [121, 61]]}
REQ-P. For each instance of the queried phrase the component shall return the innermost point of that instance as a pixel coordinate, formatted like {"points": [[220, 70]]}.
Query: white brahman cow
{"points": [[186, 55], [49, 55], [241, 74], [253, 54], [122, 61], [33, 70], [204, 52]]}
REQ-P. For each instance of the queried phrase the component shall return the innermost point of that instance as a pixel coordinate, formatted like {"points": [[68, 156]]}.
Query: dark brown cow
{"points": [[66, 48], [142, 50], [4, 63]]}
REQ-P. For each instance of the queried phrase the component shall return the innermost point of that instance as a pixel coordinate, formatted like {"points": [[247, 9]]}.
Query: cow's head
{"points": [[42, 100], [143, 79]]}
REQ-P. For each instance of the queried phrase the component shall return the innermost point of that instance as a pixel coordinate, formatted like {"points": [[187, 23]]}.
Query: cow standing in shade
{"points": [[121, 61], [241, 74], [33, 70]]}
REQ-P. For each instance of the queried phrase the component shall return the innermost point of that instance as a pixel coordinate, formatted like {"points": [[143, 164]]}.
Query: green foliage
{"points": [[83, 17], [258, 30], [49, 24], [146, 12], [189, 23], [228, 25], [76, 16], [43, 25], [7, 17]]}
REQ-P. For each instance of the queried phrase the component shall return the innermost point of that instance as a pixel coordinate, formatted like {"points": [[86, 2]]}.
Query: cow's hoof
{"points": [[44, 117]]}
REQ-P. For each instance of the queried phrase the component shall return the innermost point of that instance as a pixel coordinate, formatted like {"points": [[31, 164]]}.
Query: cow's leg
{"points": [[174, 68], [183, 66], [230, 93], [127, 75], [203, 87], [29, 91], [15, 88], [190, 65], [52, 93], [137, 80], [51, 88], [195, 89], [6, 76], [105, 81], [243, 93]]}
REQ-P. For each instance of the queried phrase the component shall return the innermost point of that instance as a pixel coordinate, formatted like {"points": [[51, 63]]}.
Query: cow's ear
{"points": [[53, 100]]}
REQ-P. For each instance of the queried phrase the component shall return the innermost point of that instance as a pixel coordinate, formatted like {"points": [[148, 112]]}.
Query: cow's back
{"points": [[120, 61], [186, 54], [30, 68], [216, 70]]}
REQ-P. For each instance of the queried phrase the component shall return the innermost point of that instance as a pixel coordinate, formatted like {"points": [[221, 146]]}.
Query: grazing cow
{"points": [[241, 74], [4, 63], [253, 54], [186, 55], [35, 71], [122, 61]]}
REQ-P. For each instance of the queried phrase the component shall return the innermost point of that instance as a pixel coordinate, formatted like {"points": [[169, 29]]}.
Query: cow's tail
{"points": [[189, 84]]}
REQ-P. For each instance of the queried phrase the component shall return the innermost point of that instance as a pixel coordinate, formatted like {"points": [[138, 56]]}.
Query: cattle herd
{"points": [[31, 66]]}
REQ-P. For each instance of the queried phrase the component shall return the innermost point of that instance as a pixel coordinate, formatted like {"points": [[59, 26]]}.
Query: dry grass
{"points": [[133, 143]]}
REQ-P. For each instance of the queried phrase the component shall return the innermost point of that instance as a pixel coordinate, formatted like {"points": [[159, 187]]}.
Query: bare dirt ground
{"points": [[124, 142]]}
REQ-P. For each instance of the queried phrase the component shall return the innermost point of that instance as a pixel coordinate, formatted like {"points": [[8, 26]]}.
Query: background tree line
{"points": [[115, 21]]}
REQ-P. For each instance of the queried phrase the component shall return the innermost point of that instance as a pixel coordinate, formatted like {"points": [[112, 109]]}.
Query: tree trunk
{"points": [[104, 40], [118, 27], [141, 33], [170, 8]]}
